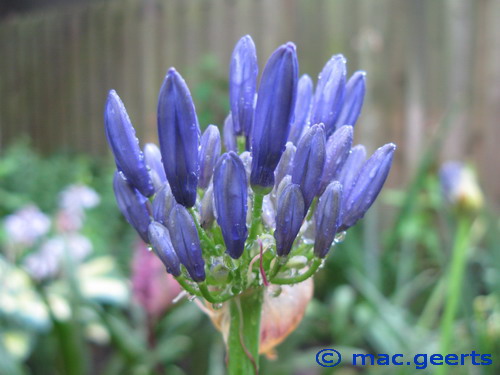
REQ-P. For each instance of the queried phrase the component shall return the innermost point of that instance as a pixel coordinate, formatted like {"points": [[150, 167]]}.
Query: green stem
{"points": [[244, 333], [187, 287], [258, 199], [202, 234], [297, 279], [455, 278], [210, 297]]}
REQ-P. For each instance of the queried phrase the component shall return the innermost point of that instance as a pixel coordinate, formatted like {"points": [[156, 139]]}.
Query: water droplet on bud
{"points": [[274, 290], [217, 306], [340, 237]]}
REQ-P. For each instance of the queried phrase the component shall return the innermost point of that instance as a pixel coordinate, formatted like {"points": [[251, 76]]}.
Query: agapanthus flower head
{"points": [[460, 187], [269, 209]]}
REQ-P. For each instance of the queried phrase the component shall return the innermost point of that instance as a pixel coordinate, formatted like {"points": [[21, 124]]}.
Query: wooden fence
{"points": [[423, 57]]}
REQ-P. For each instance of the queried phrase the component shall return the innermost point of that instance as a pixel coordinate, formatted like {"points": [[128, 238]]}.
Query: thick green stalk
{"points": [[455, 279], [244, 333], [258, 199]]}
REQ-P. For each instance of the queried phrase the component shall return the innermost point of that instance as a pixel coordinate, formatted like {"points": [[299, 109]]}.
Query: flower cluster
{"points": [[269, 208]]}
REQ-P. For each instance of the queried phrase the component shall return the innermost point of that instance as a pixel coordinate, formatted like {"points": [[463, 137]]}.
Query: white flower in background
{"points": [[48, 261], [73, 201], [26, 225], [77, 198]]}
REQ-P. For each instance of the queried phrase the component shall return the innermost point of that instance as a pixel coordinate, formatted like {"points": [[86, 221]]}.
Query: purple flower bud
{"points": [[329, 95], [230, 199], [152, 156], [246, 158], [162, 246], [273, 114], [162, 204], [229, 136], [351, 168], [368, 184], [242, 84], [179, 136], [184, 236], [289, 217], [328, 218], [286, 163], [125, 145], [309, 162], [353, 101], [338, 147], [302, 108], [133, 205], [209, 153], [207, 214]]}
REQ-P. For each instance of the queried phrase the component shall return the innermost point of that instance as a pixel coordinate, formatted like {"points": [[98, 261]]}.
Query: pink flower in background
{"points": [[152, 287], [26, 225]]}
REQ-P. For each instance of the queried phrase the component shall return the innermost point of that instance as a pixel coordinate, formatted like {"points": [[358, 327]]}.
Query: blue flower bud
{"points": [[289, 217], [243, 73], [229, 136], [162, 204], [353, 101], [302, 108], [179, 136], [351, 168], [184, 236], [273, 114], [337, 150], [368, 184], [327, 218], [309, 162], [133, 205], [329, 94], [285, 165], [125, 145], [246, 158], [163, 248], [152, 156], [230, 199], [209, 153]]}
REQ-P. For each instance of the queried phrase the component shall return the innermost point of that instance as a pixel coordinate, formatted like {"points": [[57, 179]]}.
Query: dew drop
{"points": [[150, 248], [191, 298], [217, 306], [340, 237], [274, 290]]}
